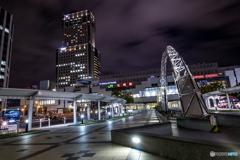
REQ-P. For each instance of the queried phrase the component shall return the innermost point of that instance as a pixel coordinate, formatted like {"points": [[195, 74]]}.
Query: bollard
{"points": [[17, 127], [49, 122], [40, 121], [64, 119], [26, 128]]}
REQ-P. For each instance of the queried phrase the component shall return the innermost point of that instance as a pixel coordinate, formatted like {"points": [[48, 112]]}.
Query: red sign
{"points": [[206, 76], [130, 83], [211, 75], [124, 84], [118, 85], [198, 77]]}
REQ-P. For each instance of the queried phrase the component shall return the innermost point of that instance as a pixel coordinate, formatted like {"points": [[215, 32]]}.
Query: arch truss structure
{"points": [[189, 93]]}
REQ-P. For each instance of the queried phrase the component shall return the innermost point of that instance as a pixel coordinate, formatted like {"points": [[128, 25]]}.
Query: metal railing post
{"points": [[49, 122], [40, 121], [17, 126]]}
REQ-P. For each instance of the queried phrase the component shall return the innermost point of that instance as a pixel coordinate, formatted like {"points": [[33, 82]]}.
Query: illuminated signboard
{"points": [[198, 77], [206, 76], [125, 84], [211, 75], [110, 86], [107, 83]]}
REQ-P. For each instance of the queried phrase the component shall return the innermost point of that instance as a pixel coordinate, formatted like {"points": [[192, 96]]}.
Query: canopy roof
{"points": [[133, 104], [222, 91], [14, 93]]}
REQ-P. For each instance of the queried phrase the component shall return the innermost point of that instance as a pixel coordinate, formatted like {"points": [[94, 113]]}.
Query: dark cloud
{"points": [[131, 35], [133, 43]]}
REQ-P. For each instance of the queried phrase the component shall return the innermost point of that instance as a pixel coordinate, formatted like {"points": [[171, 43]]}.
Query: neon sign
{"points": [[211, 75], [206, 76], [110, 86], [198, 77], [107, 83], [125, 84]]}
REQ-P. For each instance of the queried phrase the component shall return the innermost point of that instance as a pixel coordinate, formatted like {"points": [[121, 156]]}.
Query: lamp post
{"points": [[26, 128], [23, 113], [82, 116], [109, 114]]}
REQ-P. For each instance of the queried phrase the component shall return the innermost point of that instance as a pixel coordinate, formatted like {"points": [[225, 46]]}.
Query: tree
{"points": [[124, 95], [205, 87]]}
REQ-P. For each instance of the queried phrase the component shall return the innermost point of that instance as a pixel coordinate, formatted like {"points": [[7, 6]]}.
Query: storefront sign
{"points": [[107, 83], [206, 76]]}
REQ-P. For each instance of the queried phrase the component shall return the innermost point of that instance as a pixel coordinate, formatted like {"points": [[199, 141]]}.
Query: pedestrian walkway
{"points": [[78, 142]]}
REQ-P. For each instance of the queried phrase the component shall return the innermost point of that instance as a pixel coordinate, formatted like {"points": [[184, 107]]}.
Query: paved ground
{"points": [[237, 113], [78, 142]]}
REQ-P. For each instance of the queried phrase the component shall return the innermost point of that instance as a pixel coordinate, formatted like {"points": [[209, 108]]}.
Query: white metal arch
{"points": [[189, 93]]}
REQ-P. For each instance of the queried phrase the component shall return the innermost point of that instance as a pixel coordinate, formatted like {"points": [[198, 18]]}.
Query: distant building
{"points": [[233, 72], [47, 85], [6, 40], [136, 78], [78, 57]]}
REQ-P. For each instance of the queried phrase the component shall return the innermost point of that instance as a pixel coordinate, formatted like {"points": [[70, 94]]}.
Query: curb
{"points": [[23, 134], [98, 122]]}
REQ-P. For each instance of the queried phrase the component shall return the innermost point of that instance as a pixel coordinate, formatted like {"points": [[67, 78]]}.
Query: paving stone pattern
{"points": [[78, 142]]}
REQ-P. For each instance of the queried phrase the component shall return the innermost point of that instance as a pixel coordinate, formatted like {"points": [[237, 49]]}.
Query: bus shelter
{"points": [[214, 95], [31, 95]]}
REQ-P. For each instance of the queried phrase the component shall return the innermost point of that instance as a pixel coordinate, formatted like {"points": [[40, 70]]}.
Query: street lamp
{"points": [[26, 128], [22, 113], [82, 116], [109, 114]]}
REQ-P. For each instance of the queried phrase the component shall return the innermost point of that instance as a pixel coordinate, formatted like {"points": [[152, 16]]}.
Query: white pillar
{"points": [[145, 106], [206, 102], [88, 112], [99, 111], [119, 112], [214, 101], [209, 104], [112, 110], [228, 101], [121, 108], [30, 109], [74, 112]]}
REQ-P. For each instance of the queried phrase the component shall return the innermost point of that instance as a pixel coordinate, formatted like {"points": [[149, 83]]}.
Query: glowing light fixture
{"points": [[136, 140]]}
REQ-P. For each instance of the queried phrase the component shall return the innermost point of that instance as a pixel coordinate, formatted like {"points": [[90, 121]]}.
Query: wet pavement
{"points": [[78, 142]]}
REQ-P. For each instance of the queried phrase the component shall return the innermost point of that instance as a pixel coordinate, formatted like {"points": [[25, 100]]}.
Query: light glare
{"points": [[136, 140]]}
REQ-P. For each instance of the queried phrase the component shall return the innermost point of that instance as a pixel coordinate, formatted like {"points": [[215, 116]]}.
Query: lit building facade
{"points": [[78, 57], [136, 78], [233, 72], [6, 40]]}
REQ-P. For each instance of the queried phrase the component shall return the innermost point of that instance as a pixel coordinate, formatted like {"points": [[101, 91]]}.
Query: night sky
{"points": [[131, 34]]}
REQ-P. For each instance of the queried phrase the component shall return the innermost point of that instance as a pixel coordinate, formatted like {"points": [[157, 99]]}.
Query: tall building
{"points": [[6, 40], [78, 57]]}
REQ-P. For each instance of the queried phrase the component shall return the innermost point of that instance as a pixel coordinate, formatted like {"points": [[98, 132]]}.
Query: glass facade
{"points": [[149, 92], [78, 58], [6, 38]]}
